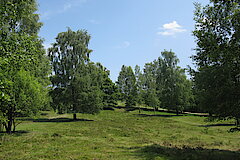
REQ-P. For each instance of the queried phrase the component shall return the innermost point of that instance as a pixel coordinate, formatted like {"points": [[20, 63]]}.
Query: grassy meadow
{"points": [[120, 135]]}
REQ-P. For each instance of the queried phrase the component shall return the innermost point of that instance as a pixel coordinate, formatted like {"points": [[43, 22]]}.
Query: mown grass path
{"points": [[120, 135]]}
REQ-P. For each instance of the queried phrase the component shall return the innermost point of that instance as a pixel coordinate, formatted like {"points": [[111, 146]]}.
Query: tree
{"points": [[21, 53], [87, 96], [176, 91], [110, 93], [166, 85], [24, 96], [127, 85], [19, 27], [19, 17], [150, 86], [168, 77], [139, 84], [108, 88], [217, 58], [75, 78]]}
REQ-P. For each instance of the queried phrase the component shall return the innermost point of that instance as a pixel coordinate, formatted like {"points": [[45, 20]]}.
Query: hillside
{"points": [[120, 135]]}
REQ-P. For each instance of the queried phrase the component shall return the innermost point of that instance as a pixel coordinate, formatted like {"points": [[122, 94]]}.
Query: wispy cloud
{"points": [[69, 4], [124, 44], [46, 15], [171, 29], [93, 21]]}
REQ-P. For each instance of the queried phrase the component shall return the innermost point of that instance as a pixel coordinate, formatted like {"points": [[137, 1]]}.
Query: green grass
{"points": [[120, 135]]}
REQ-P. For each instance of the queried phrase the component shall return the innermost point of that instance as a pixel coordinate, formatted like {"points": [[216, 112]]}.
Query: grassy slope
{"points": [[120, 135]]}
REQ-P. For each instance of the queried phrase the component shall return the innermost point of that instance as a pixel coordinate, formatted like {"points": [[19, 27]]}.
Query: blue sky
{"points": [[129, 32]]}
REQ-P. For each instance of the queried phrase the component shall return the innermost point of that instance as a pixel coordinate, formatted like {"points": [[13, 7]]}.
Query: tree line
{"points": [[160, 84], [65, 79]]}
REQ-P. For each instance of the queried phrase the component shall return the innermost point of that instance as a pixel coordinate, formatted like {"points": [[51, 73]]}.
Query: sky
{"points": [[124, 32]]}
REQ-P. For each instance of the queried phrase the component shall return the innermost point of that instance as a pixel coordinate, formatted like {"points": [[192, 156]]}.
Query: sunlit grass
{"points": [[119, 135]]}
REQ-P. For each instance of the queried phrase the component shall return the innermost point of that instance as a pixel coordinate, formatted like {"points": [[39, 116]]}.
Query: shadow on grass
{"points": [[109, 108], [217, 125], [185, 153], [15, 133], [59, 120], [156, 115], [55, 120], [129, 109]]}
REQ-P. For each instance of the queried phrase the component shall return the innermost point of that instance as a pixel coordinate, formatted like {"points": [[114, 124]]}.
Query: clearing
{"points": [[120, 135]]}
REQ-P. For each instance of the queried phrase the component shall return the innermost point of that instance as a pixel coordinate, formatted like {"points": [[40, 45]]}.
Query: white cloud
{"points": [[93, 21], [45, 15], [63, 8], [73, 3], [67, 6], [124, 44], [171, 29]]}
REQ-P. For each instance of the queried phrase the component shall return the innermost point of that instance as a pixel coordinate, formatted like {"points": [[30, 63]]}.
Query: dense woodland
{"points": [[64, 78]]}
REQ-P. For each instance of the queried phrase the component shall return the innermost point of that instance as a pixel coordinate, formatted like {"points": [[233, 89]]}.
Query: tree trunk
{"points": [[9, 123], [73, 103], [8, 126], [74, 116], [14, 125], [1, 126], [237, 122]]}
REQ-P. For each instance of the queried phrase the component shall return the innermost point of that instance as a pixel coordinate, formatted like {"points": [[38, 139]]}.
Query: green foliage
{"points": [[19, 17], [165, 84], [58, 103], [29, 95], [110, 91], [23, 96], [162, 84], [19, 26], [150, 86], [151, 98], [68, 57], [169, 76], [176, 89], [85, 90], [217, 58], [80, 85], [127, 85], [139, 84], [22, 53]]}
